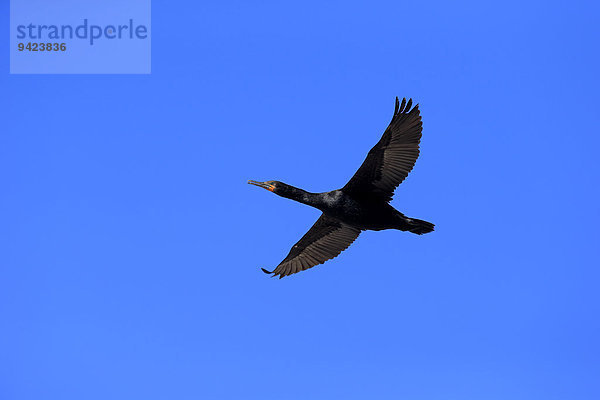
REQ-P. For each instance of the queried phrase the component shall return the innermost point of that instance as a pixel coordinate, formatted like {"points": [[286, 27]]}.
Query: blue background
{"points": [[130, 243]]}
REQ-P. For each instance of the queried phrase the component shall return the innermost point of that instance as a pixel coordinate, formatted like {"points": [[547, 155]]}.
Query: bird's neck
{"points": [[304, 197], [323, 201]]}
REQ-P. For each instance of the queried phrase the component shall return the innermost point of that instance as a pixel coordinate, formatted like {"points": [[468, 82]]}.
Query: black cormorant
{"points": [[363, 204]]}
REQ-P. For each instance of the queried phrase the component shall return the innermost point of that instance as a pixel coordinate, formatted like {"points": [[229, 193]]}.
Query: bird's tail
{"points": [[417, 226]]}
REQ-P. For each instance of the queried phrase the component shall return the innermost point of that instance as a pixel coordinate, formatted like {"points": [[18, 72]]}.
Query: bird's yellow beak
{"points": [[263, 185]]}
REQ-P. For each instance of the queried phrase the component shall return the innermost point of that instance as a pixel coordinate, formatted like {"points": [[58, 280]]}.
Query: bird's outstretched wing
{"points": [[392, 158], [326, 239]]}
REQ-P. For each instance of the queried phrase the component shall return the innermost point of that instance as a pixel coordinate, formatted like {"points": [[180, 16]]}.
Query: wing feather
{"points": [[390, 161], [326, 239]]}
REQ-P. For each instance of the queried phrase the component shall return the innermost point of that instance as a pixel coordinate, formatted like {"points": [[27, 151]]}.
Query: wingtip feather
{"points": [[403, 104]]}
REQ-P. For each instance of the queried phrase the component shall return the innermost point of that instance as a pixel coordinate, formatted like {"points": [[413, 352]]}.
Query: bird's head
{"points": [[276, 187]]}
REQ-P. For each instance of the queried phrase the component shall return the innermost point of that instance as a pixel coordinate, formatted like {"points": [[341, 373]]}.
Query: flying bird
{"points": [[363, 203]]}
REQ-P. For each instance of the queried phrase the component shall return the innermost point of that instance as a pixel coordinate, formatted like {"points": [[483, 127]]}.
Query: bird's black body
{"points": [[364, 213], [363, 203]]}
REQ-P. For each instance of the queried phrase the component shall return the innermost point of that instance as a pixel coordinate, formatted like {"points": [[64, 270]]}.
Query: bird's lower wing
{"points": [[326, 239]]}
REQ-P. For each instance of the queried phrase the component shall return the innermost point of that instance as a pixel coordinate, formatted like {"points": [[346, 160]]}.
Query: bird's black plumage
{"points": [[363, 203]]}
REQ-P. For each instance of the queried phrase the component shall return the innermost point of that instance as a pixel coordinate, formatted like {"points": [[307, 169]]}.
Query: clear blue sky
{"points": [[130, 243]]}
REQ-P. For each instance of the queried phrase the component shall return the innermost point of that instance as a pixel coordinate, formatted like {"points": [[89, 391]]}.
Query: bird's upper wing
{"points": [[392, 158], [326, 239]]}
